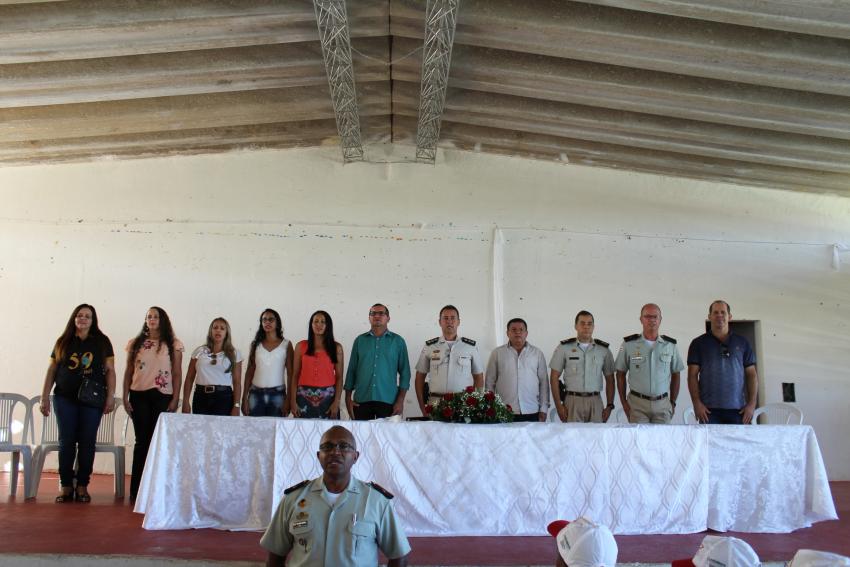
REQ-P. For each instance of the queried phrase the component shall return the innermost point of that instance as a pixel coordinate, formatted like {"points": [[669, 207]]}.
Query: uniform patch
{"points": [[296, 486], [668, 339], [301, 524], [568, 341], [432, 341], [634, 337], [601, 343], [382, 490], [468, 341]]}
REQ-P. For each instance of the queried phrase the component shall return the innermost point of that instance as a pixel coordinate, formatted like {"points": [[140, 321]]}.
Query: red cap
{"points": [[682, 563], [556, 527]]}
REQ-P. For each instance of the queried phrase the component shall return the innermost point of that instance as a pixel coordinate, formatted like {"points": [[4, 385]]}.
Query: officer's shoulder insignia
{"points": [[468, 341], [568, 341], [668, 339], [295, 487], [632, 337], [601, 343], [432, 341], [382, 490]]}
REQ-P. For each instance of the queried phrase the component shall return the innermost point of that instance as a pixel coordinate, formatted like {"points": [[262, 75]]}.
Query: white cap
{"points": [[718, 551], [812, 558], [583, 543]]}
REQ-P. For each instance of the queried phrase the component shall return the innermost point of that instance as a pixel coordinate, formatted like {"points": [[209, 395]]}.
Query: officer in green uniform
{"points": [[335, 520], [584, 362], [653, 365]]}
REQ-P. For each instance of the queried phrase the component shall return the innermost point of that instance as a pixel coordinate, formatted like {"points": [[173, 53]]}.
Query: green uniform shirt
{"points": [[348, 533], [649, 367], [583, 369], [374, 365]]}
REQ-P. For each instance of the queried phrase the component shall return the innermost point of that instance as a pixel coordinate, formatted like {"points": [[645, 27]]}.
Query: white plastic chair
{"points": [[7, 443], [778, 414], [105, 443], [618, 416]]}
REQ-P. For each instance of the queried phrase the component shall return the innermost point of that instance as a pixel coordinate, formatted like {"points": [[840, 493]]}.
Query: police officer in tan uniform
{"points": [[449, 362], [653, 365], [335, 520], [584, 362]]}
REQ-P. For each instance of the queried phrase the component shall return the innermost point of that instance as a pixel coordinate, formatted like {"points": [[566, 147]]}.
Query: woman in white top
{"points": [[269, 362], [217, 366]]}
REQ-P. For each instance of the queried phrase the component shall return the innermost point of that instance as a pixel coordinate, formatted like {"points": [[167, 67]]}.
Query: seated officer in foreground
{"points": [[335, 520]]}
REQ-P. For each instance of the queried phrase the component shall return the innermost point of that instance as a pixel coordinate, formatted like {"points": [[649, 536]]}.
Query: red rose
{"points": [[447, 412], [470, 389], [510, 409], [470, 401], [489, 396], [491, 412], [448, 396], [428, 409]]}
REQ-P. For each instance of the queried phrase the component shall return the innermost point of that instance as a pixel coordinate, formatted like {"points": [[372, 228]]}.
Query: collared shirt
{"points": [[721, 369], [449, 366], [649, 367], [520, 378], [374, 365], [347, 533], [583, 370]]}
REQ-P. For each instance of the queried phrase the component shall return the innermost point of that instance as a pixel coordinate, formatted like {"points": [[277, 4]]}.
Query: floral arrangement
{"points": [[470, 406]]}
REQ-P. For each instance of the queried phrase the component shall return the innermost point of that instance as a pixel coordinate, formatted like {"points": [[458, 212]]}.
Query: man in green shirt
{"points": [[378, 374]]}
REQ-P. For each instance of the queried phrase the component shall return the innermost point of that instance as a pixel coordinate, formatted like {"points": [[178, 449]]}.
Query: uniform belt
{"points": [[582, 394], [211, 389], [650, 398]]}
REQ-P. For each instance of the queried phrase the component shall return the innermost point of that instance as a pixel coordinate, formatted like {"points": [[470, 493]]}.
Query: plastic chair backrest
{"points": [[49, 425], [689, 417], [106, 431], [8, 401], [778, 414]]}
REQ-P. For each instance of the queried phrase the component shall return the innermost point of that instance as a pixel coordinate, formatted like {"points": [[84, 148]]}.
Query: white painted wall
{"points": [[297, 231]]}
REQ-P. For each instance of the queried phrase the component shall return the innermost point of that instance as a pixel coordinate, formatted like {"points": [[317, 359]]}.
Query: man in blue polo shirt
{"points": [[378, 374], [722, 377]]}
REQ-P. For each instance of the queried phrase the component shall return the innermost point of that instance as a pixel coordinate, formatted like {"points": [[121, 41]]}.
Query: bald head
{"points": [[338, 433]]}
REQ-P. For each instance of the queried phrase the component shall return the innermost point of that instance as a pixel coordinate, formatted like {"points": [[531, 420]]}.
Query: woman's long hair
{"points": [[329, 342], [226, 345], [166, 335], [260, 335], [63, 344]]}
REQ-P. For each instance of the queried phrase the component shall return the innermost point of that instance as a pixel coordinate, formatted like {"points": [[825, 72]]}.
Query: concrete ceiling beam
{"points": [[93, 29], [600, 34], [649, 92], [24, 125], [183, 73]]}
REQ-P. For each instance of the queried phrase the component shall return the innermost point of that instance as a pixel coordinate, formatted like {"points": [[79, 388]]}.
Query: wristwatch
{"points": [[237, 404]]}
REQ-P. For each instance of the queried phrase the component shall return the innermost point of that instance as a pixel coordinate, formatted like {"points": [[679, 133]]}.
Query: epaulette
{"points": [[432, 341], [382, 490], [568, 341], [632, 337], [468, 341], [601, 343], [668, 339], [295, 487]]}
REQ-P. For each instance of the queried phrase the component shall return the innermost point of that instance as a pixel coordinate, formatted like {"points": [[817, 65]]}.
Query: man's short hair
{"points": [[450, 308], [381, 305], [516, 320], [728, 309], [642, 309], [584, 313]]}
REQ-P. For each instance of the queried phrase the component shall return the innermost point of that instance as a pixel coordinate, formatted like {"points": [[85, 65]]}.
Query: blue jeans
{"points": [[725, 416], [266, 401], [78, 425]]}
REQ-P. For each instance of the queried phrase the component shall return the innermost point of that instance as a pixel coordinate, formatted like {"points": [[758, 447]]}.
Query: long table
{"points": [[488, 480]]}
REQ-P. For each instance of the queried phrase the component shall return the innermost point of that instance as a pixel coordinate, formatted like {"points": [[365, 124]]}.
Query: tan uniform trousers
{"points": [[583, 409], [645, 411]]}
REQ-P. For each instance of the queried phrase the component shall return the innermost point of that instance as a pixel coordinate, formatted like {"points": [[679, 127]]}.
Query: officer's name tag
{"points": [[637, 359], [435, 355], [574, 358], [301, 524]]}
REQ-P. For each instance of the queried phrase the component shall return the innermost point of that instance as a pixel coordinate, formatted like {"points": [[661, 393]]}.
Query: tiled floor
{"points": [[108, 526]]}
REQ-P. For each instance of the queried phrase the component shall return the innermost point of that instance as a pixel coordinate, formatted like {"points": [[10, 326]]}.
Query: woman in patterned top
{"points": [[151, 383], [317, 371]]}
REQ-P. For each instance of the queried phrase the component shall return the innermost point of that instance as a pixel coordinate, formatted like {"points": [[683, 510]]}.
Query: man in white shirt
{"points": [[517, 372]]}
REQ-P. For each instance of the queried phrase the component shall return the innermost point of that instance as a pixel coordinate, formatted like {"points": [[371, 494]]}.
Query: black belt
{"points": [[436, 394], [212, 389], [269, 389], [582, 394], [650, 398]]}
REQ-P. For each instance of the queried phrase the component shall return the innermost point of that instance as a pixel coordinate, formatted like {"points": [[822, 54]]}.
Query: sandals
{"points": [[65, 497], [83, 496]]}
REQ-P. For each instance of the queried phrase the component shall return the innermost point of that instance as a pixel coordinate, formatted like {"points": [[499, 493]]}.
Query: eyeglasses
{"points": [[377, 313], [269, 320], [214, 358], [342, 446]]}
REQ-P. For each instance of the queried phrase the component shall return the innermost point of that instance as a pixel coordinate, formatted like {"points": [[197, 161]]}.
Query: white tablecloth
{"points": [[487, 480]]}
